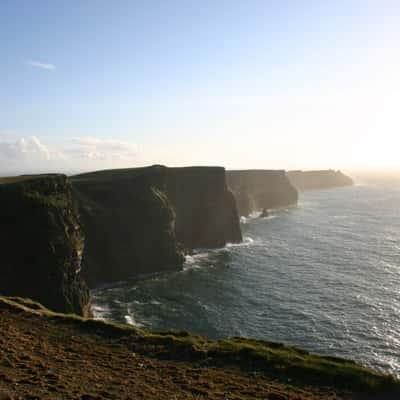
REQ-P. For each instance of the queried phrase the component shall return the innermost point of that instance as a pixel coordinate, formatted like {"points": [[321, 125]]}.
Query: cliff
{"points": [[141, 220], [43, 355], [128, 222], [41, 243], [255, 190], [206, 213], [324, 179]]}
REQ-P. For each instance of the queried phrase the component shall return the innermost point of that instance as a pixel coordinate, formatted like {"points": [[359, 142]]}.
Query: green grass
{"points": [[275, 359], [23, 178], [285, 363], [31, 186], [111, 174]]}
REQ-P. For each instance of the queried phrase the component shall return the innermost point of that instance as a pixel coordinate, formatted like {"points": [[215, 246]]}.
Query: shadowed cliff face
{"points": [[128, 223], [206, 213], [304, 180], [41, 243], [140, 220], [255, 190]]}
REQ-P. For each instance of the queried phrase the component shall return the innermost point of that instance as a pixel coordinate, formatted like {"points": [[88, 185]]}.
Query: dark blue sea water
{"points": [[324, 276]]}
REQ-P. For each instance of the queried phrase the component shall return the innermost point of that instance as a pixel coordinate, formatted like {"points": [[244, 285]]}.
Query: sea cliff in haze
{"points": [[256, 190], [322, 179]]}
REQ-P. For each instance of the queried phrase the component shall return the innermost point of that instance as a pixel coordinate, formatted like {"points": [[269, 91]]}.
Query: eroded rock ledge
{"points": [[256, 190]]}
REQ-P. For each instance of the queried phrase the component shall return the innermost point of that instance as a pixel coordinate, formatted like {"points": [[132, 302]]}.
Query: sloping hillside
{"points": [[44, 355]]}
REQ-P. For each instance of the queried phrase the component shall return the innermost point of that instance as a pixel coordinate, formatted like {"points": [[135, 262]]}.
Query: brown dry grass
{"points": [[45, 356]]}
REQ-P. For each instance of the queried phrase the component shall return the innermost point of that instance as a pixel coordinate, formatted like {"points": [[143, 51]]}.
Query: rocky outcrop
{"points": [[323, 179], [256, 190], [206, 213], [41, 243], [142, 220]]}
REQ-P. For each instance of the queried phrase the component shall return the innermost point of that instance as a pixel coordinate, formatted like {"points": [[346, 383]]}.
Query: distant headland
{"points": [[322, 179]]}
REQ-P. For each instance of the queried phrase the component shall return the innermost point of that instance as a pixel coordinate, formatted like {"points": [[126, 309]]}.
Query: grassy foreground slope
{"points": [[48, 355]]}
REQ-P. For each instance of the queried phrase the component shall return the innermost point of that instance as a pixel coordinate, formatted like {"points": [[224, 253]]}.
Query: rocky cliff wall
{"points": [[128, 222], [142, 220], [206, 212], [255, 190], [323, 179], [41, 243]]}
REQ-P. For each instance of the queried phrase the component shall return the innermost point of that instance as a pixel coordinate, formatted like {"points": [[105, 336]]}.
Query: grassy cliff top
{"points": [[118, 173], [121, 173], [41, 350], [49, 190], [24, 178]]}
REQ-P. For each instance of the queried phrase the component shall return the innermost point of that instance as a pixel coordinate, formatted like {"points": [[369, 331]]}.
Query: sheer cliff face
{"points": [[128, 223], [141, 220], [304, 180], [42, 243], [255, 190], [206, 213]]}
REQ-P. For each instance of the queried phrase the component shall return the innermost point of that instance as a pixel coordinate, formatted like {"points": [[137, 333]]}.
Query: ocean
{"points": [[323, 275]]}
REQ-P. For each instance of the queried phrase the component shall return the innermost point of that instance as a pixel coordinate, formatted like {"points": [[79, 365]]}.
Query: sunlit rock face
{"points": [[305, 180], [256, 190], [143, 220], [42, 243]]}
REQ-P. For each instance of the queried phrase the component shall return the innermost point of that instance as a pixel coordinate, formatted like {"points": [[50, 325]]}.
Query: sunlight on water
{"points": [[324, 276]]}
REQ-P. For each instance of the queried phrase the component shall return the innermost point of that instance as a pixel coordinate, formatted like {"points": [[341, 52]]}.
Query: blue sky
{"points": [[244, 84]]}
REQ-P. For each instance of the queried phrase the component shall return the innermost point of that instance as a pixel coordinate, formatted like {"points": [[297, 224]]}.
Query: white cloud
{"points": [[29, 154], [42, 65], [80, 148], [23, 149], [91, 148]]}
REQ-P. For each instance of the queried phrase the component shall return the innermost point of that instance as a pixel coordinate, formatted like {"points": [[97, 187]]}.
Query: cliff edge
{"points": [[256, 190], [323, 179], [42, 243]]}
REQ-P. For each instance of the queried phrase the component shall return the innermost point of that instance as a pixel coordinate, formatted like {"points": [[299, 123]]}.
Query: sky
{"points": [[288, 84]]}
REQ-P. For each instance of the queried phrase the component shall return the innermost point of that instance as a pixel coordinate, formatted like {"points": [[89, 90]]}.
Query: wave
{"points": [[204, 257], [131, 321], [100, 312], [247, 241], [254, 215], [204, 252]]}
